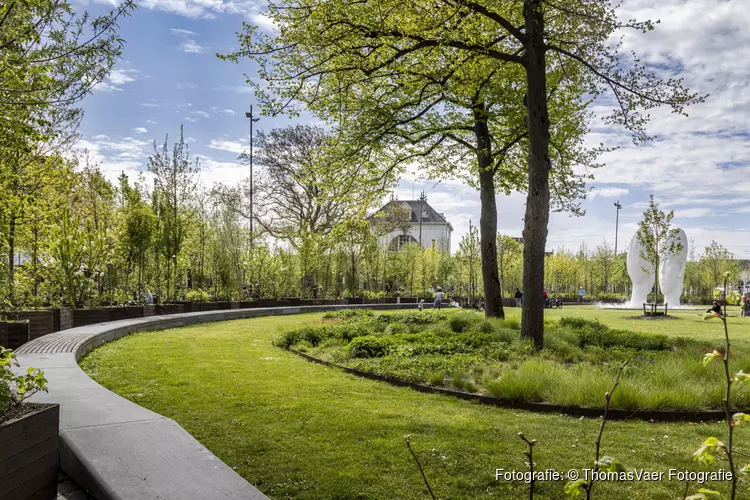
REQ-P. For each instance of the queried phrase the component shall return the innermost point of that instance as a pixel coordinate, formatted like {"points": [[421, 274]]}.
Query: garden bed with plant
{"points": [[580, 359]]}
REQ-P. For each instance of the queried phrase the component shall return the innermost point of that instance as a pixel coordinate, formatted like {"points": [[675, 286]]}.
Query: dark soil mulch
{"points": [[19, 411]]}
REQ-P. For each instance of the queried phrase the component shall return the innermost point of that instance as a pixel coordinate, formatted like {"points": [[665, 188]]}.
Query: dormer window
{"points": [[424, 214]]}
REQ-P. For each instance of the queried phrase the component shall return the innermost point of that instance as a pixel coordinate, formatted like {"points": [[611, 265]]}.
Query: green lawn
{"points": [[689, 324], [302, 430]]}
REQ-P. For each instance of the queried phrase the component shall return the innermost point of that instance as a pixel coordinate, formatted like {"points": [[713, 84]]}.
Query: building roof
{"points": [[431, 215]]}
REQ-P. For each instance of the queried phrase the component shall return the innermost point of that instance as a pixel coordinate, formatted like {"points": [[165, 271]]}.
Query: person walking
{"points": [[744, 306], [545, 296], [438, 298], [581, 293], [519, 297]]}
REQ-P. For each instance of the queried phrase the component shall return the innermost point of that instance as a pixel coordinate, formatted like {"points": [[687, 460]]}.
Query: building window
{"points": [[400, 241]]}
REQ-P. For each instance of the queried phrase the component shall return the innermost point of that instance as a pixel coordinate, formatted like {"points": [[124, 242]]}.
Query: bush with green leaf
{"points": [[197, 295], [371, 346], [15, 389]]}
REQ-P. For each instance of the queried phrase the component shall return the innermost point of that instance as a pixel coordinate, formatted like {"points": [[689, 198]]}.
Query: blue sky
{"points": [[698, 166]]}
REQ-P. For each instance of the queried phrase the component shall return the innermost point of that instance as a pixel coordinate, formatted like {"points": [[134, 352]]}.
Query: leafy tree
{"points": [[374, 39], [50, 58], [303, 188], [174, 187], [469, 255], [717, 260], [658, 237], [604, 259], [508, 252], [420, 100]]}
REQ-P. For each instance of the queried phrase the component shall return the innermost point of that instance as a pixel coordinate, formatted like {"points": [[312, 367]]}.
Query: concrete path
{"points": [[121, 451]]}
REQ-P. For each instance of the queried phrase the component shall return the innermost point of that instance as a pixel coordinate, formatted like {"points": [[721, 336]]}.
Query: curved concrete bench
{"points": [[119, 450]]}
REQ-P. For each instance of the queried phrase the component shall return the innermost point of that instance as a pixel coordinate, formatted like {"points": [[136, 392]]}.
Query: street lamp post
{"points": [[617, 223], [249, 115]]}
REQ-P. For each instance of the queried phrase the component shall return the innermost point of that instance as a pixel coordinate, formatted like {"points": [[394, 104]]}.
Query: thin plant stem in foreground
{"points": [[408, 445]]}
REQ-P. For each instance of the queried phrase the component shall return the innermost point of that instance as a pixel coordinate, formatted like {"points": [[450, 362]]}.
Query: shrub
{"points": [[410, 317], [512, 323], [396, 328], [505, 335], [582, 324], [484, 326], [435, 378], [461, 322], [528, 383], [371, 346], [14, 389], [197, 295], [349, 314], [475, 340]]}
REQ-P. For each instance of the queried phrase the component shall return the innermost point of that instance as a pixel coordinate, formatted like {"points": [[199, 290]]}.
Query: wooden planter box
{"points": [[40, 322], [83, 317], [170, 309], [14, 334], [29, 456]]}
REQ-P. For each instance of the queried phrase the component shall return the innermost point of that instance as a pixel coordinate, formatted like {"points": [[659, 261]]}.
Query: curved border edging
{"points": [[119, 450], [572, 411]]}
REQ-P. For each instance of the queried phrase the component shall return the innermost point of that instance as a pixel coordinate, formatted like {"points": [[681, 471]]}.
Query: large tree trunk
{"points": [[493, 298], [537, 199]]}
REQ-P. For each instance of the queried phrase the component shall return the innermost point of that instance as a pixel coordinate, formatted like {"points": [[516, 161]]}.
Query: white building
{"points": [[423, 224]]}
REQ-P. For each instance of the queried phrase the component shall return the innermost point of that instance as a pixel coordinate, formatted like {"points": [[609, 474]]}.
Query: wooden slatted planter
{"points": [[29, 455]]}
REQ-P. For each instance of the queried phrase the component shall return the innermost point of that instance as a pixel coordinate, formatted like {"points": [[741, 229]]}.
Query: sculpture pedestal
{"points": [[651, 310]]}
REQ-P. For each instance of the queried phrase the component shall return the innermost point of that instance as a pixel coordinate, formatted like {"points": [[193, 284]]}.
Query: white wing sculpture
{"points": [[672, 272], [641, 273]]}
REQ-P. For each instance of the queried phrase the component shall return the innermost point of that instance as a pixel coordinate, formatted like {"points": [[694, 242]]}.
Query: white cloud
{"points": [[239, 89], [192, 47], [263, 22], [608, 192], [693, 213], [224, 145], [201, 9], [150, 104], [116, 79], [140, 130], [225, 172], [151, 122], [182, 32], [107, 87], [229, 111], [115, 156]]}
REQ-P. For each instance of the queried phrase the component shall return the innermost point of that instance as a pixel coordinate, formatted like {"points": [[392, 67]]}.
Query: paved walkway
{"points": [[116, 449]]}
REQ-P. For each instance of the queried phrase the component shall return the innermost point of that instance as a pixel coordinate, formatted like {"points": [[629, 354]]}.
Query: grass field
{"points": [[301, 430], [688, 324]]}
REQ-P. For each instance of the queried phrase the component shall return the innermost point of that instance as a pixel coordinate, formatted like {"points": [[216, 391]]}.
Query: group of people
{"points": [[518, 295], [716, 309]]}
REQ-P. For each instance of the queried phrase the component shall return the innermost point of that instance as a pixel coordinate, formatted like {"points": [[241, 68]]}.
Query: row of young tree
{"points": [[50, 58], [81, 240]]}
